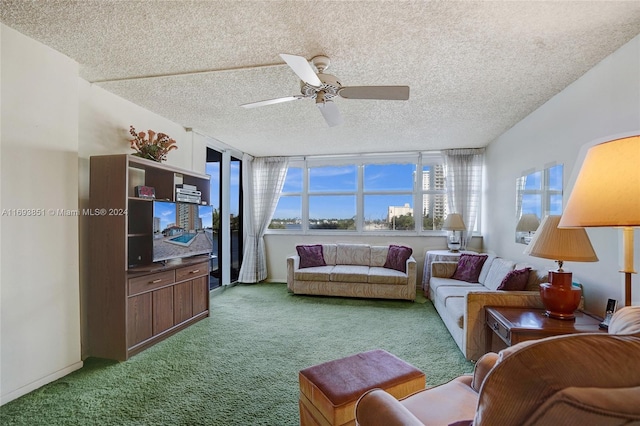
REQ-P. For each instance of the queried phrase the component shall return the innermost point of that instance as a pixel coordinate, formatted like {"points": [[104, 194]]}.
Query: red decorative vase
{"points": [[559, 297]]}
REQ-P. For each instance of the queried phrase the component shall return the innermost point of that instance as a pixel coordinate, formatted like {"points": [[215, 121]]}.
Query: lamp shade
{"points": [[528, 223], [454, 222], [607, 191], [551, 242]]}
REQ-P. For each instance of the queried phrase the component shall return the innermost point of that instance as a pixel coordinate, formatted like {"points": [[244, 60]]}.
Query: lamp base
{"points": [[559, 297]]}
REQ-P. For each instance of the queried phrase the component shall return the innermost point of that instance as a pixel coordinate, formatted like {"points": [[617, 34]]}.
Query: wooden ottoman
{"points": [[329, 391]]}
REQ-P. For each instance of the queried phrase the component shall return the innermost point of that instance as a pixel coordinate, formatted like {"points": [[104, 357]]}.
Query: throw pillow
{"points": [[310, 256], [469, 267], [397, 258], [515, 280]]}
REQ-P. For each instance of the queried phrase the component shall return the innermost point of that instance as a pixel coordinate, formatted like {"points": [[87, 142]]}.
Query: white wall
{"points": [[40, 312], [601, 105]]}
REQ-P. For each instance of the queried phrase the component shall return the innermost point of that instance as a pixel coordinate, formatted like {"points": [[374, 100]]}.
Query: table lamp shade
{"points": [[607, 191], [551, 242], [454, 222], [528, 223]]}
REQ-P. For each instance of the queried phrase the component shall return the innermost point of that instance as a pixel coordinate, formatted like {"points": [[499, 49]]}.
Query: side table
{"points": [[431, 256], [515, 325]]}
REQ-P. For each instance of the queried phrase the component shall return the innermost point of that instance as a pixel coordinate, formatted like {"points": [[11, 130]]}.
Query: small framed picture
{"points": [[145, 192], [612, 305]]}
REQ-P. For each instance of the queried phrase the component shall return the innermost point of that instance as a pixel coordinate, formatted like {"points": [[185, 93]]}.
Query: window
{"points": [[288, 214], [388, 197], [332, 197], [364, 194], [434, 197]]}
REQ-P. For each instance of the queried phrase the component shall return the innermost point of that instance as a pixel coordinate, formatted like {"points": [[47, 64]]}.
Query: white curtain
{"points": [[463, 180], [265, 179]]}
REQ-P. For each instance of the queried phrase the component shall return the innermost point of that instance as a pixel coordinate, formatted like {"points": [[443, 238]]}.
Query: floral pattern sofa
{"points": [[461, 304], [353, 270]]}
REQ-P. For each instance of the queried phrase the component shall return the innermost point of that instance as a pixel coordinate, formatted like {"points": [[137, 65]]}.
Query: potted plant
{"points": [[155, 147]]}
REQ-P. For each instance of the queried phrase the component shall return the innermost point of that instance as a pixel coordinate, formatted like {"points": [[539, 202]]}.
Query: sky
{"points": [[343, 179]]}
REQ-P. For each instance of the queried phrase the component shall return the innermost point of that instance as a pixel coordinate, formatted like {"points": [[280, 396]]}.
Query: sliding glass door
{"points": [[226, 200]]}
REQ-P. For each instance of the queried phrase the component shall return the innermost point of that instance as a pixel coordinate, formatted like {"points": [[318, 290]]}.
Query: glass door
{"points": [[226, 200], [235, 211], [214, 169]]}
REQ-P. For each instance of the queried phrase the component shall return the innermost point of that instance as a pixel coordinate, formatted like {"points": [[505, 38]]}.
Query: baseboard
{"points": [[39, 383]]}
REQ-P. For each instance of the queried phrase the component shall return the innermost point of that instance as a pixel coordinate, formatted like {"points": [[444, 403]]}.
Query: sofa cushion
{"points": [[310, 255], [435, 283], [515, 280], [329, 251], [353, 254], [379, 275], [499, 269], [350, 273], [397, 257], [378, 255], [469, 267], [445, 294], [485, 268], [314, 273], [455, 309]]}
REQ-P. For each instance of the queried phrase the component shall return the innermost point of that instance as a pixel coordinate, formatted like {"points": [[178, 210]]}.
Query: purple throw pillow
{"points": [[397, 258], [310, 256], [469, 267], [515, 280]]}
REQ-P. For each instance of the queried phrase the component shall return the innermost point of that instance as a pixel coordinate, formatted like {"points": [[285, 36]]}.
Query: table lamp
{"points": [[528, 223], [454, 223], [550, 242], [607, 194]]}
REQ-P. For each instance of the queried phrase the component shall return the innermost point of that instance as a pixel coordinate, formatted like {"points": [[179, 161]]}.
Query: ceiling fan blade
{"points": [[302, 68], [392, 93], [330, 112], [272, 101]]}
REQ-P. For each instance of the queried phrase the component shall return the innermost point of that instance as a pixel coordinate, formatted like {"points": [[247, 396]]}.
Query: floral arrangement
{"points": [[154, 148]]}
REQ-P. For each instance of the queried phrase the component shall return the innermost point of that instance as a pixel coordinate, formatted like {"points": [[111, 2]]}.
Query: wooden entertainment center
{"points": [[130, 308]]}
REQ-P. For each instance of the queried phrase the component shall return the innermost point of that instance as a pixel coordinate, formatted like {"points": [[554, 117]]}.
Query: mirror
{"points": [[538, 194]]}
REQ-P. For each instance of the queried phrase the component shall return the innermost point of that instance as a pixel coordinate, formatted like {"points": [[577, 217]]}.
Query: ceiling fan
{"points": [[325, 87]]}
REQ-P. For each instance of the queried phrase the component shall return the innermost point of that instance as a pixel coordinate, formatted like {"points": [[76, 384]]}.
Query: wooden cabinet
{"points": [[131, 308]]}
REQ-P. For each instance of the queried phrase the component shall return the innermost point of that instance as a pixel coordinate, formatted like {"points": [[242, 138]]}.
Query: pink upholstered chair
{"points": [[579, 379]]}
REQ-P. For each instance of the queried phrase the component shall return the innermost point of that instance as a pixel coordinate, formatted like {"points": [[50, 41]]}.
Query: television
{"points": [[181, 230]]}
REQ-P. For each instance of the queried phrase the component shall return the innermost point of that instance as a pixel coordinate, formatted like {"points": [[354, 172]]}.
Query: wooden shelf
{"points": [[128, 308]]}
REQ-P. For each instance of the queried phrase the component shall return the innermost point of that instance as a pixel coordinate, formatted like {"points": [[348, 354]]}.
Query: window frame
{"points": [[360, 161]]}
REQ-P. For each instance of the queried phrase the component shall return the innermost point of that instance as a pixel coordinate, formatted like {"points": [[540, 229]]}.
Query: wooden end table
{"points": [[515, 325]]}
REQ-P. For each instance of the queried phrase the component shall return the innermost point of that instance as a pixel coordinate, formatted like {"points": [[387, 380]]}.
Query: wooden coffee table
{"points": [[515, 325]]}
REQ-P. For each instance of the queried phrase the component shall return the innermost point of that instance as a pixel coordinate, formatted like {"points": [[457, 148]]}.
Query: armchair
{"points": [[577, 379]]}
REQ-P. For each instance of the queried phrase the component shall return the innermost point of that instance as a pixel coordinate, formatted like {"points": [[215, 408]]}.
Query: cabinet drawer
{"points": [[189, 272], [150, 282], [500, 329]]}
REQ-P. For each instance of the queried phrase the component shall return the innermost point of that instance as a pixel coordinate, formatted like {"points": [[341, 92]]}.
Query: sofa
{"points": [[569, 380], [353, 270], [461, 303]]}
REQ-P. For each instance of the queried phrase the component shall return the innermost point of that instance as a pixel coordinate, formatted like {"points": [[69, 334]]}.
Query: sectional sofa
{"points": [[353, 270]]}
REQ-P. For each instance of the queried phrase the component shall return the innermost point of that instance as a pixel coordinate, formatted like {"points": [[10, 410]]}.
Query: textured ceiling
{"points": [[474, 68]]}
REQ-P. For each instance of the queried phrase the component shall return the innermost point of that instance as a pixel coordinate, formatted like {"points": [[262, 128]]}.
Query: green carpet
{"points": [[240, 366]]}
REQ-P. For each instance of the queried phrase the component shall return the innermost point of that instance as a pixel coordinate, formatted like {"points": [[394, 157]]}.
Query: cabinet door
{"points": [[183, 302], [200, 295], [139, 324], [162, 310]]}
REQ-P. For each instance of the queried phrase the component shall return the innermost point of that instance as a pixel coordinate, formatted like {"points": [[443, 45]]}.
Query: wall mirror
{"points": [[538, 194]]}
